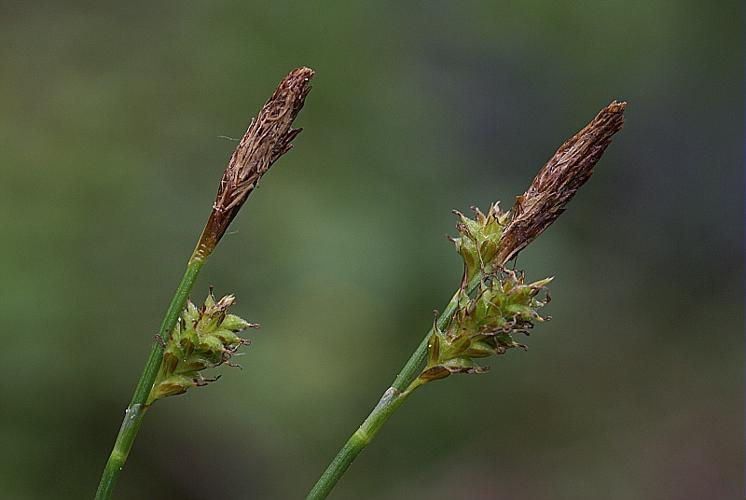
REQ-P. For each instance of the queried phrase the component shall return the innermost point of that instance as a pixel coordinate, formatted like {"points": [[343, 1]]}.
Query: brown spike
{"points": [[268, 137], [555, 184]]}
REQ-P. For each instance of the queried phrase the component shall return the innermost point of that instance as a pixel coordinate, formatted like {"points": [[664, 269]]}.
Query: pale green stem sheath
{"points": [[404, 384], [138, 406]]}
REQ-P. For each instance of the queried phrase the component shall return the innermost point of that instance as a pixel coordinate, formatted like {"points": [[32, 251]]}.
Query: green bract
{"points": [[203, 338]]}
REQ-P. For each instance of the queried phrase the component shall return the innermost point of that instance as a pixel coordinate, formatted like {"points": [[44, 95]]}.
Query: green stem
{"points": [[404, 384], [135, 412], [390, 401]]}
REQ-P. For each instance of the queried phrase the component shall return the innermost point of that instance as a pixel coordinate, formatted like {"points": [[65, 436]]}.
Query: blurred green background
{"points": [[111, 117]]}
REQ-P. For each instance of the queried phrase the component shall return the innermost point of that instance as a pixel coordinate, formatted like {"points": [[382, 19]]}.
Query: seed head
{"points": [[204, 337], [484, 325], [268, 137], [555, 184]]}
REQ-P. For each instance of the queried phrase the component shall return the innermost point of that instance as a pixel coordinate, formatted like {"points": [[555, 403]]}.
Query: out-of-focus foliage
{"points": [[112, 117]]}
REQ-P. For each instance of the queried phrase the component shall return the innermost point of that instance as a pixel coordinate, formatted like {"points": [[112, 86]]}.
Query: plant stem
{"points": [[268, 137], [390, 401], [404, 384], [534, 211], [138, 406]]}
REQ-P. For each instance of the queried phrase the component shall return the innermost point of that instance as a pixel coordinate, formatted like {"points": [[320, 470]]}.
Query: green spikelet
{"points": [[479, 239], [486, 321], [203, 338]]}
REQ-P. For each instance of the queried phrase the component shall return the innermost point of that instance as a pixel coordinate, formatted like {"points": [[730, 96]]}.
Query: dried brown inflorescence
{"points": [[559, 180], [268, 137]]}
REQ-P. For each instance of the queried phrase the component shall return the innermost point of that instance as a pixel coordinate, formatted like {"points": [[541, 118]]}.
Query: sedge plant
{"points": [[492, 304], [191, 338]]}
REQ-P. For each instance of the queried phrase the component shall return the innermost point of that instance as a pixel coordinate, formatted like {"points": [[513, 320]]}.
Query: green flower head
{"points": [[203, 338], [484, 325]]}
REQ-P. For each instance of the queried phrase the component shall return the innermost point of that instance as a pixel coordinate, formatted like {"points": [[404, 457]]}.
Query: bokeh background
{"points": [[111, 125]]}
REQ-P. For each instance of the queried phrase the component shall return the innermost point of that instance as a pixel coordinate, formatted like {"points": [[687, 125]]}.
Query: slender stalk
{"points": [[404, 384], [268, 137], [137, 408], [545, 199], [390, 401]]}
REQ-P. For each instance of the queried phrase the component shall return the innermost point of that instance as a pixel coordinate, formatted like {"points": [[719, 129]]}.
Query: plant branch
{"points": [[268, 137], [545, 199]]}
